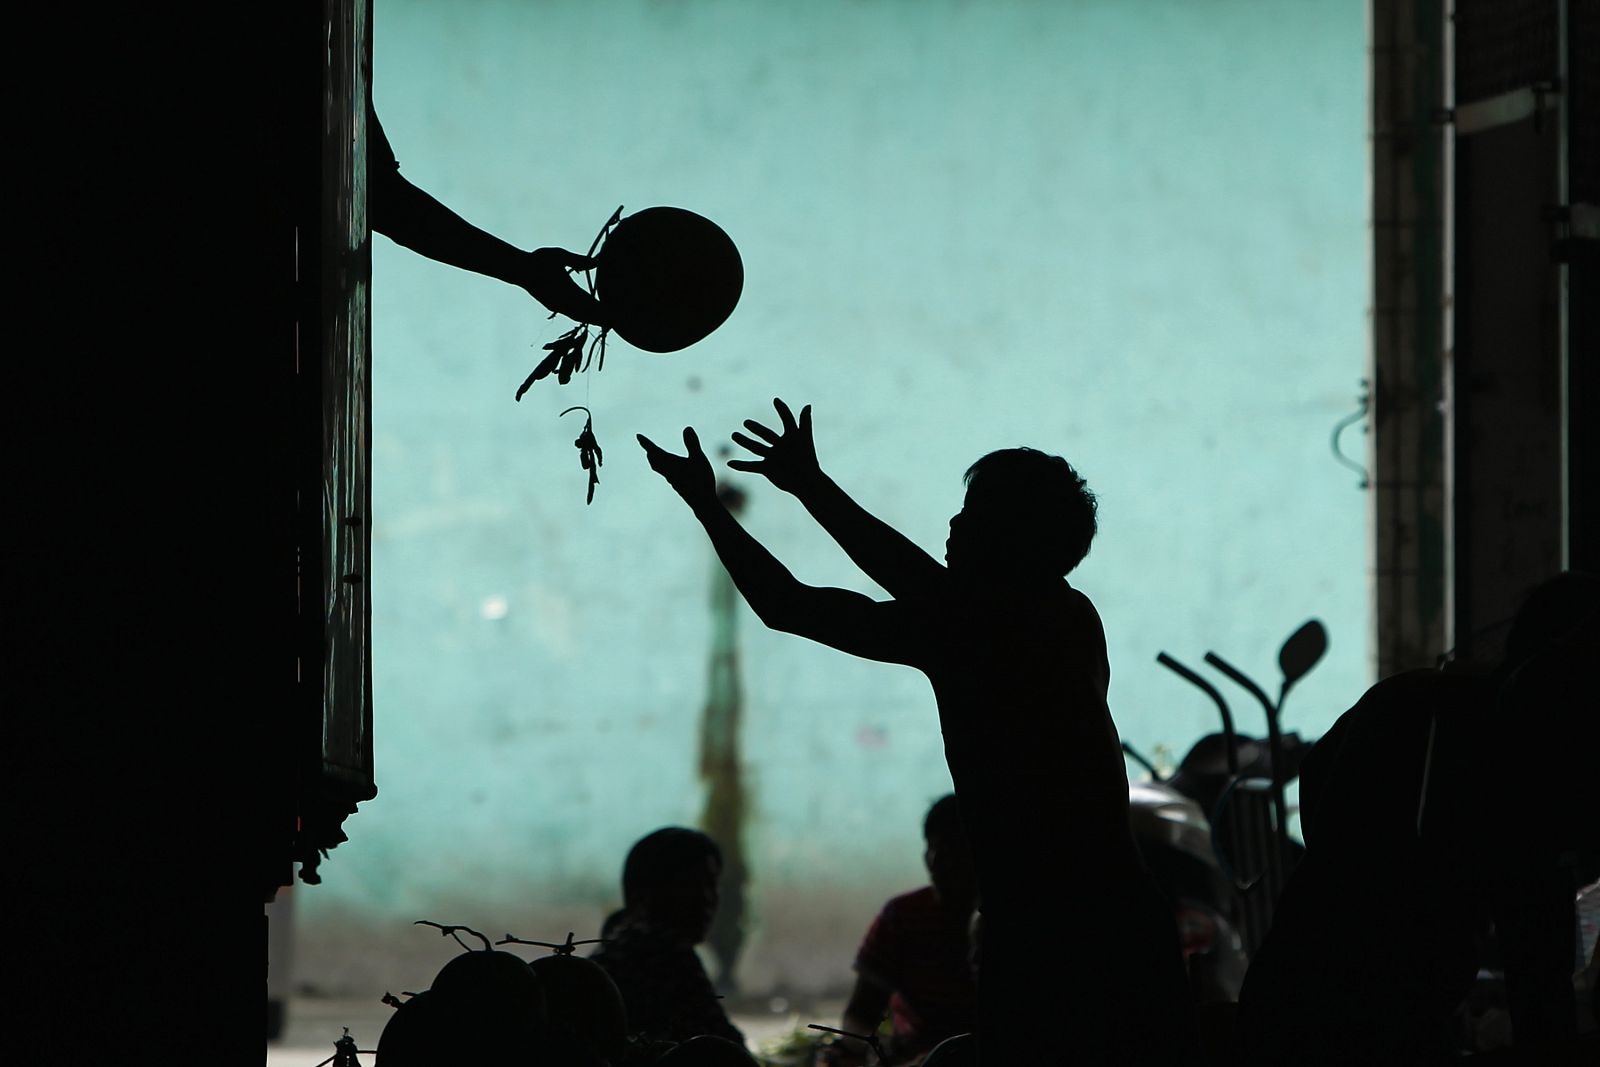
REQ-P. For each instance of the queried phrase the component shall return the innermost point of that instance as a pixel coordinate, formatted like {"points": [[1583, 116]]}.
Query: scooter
{"points": [[1215, 833], [1175, 839]]}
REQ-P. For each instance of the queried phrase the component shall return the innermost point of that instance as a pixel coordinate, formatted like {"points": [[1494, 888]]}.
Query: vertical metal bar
{"points": [[1410, 578]]}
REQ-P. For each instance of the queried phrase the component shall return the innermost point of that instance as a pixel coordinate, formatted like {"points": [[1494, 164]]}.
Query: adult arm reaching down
{"points": [[410, 217]]}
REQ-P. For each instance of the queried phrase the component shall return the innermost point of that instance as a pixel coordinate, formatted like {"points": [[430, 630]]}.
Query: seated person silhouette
{"points": [[915, 960], [1017, 662], [413, 219], [669, 894], [1442, 801]]}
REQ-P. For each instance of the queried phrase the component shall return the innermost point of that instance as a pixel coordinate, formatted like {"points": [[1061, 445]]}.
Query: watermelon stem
{"points": [[450, 931]]}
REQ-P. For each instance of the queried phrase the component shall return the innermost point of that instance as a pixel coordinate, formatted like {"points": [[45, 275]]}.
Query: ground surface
{"points": [[314, 1024]]}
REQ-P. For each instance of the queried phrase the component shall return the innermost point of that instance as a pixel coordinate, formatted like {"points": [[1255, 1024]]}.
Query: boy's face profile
{"points": [[981, 540], [687, 902], [955, 547], [965, 548]]}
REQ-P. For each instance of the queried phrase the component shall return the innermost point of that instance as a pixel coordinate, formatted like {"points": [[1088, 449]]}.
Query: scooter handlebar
{"points": [[1211, 691]]}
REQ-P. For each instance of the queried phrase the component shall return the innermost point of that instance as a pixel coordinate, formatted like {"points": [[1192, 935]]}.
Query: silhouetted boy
{"points": [[669, 895], [1017, 661], [915, 961]]}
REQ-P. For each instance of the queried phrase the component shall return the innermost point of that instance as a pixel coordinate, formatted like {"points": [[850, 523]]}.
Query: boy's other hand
{"points": [[689, 474], [787, 458]]}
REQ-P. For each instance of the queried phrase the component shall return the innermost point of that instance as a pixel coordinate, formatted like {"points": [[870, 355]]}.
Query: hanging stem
{"points": [[590, 456], [574, 352]]}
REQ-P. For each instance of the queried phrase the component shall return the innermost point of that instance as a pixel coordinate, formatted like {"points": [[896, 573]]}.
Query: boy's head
{"points": [[1026, 514], [947, 854], [670, 878]]}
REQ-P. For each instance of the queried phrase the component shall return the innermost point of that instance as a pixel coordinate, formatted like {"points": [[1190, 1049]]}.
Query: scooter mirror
{"points": [[1302, 651]]}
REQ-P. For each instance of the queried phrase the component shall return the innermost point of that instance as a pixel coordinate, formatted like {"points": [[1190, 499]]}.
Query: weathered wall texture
{"points": [[1132, 233]]}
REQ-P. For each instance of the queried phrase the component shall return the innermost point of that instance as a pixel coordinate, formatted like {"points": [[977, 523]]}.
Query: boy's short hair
{"points": [[656, 858], [1044, 498]]}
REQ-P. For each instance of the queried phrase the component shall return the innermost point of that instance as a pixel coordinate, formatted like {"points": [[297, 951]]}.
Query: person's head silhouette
{"points": [[670, 880], [948, 856], [1027, 515]]}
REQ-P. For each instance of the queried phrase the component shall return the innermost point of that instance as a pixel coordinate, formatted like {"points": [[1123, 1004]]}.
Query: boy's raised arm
{"points": [[838, 618], [788, 459]]}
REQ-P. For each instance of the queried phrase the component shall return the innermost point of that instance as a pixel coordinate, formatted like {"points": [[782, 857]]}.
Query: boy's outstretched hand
{"points": [[788, 459], [690, 475]]}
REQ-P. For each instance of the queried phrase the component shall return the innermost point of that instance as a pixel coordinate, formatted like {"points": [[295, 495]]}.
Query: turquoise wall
{"points": [[1130, 232]]}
